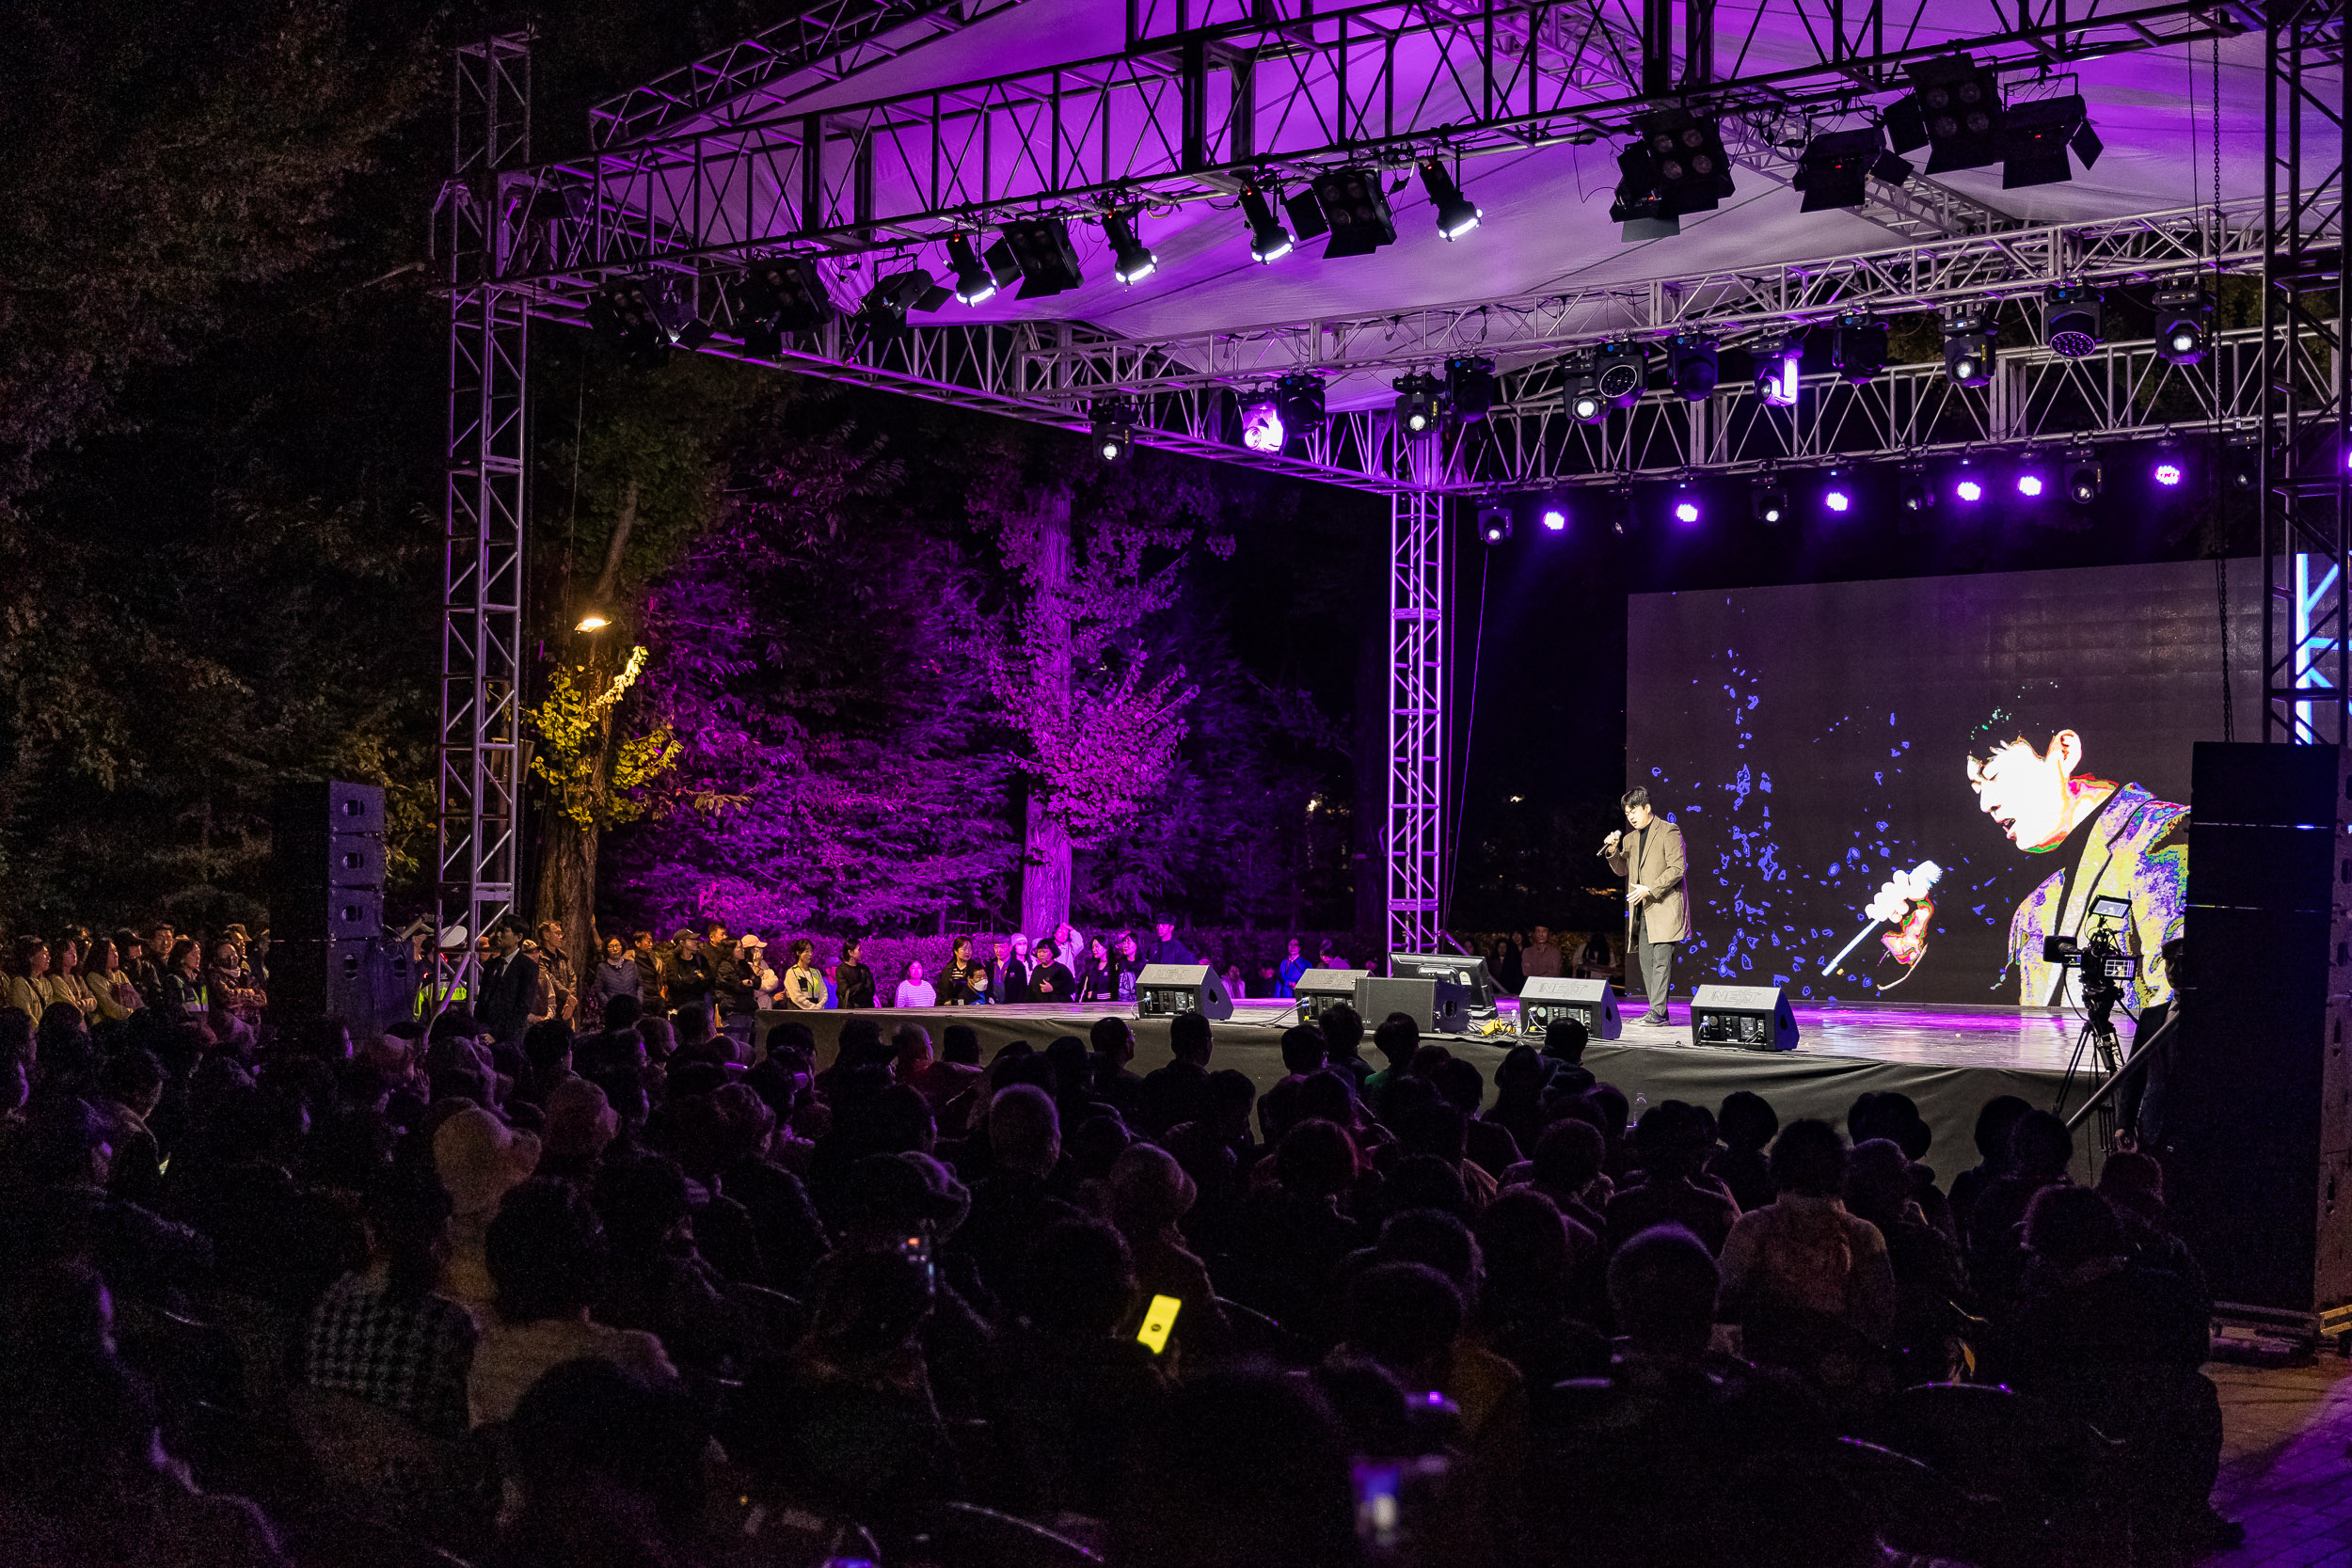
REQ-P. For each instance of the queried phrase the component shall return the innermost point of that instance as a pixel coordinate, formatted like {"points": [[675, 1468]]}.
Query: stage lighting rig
{"points": [[1768, 500], [1836, 167], [1623, 369], [2183, 324], [2035, 137], [2244, 467], [1299, 398], [2072, 321], [1043, 251], [1953, 110], [1494, 520], [1686, 502], [1262, 424], [1469, 387], [1837, 495], [1357, 209], [975, 280], [1970, 337], [1457, 214], [1686, 159], [1858, 346], [639, 316], [1641, 209], [1132, 262], [2170, 466], [2084, 478], [1270, 242], [1776, 372], [883, 315], [1692, 365], [1917, 493], [1580, 389], [1554, 515], [1417, 403], [1623, 514], [1114, 428], [781, 294], [1967, 484], [2032, 481]]}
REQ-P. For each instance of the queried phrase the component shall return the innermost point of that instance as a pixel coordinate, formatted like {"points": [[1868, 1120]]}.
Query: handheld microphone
{"points": [[1927, 874]]}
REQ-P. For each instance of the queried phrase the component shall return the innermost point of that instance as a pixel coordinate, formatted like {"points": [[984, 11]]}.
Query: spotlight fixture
{"points": [[1967, 486], [1041, 248], [1114, 428], [2072, 320], [2183, 324], [1692, 366], [1969, 339], [1686, 159], [1777, 368], [1580, 389], [1555, 516], [1469, 387], [2169, 467], [1640, 209], [1132, 262], [1767, 501], [1685, 503], [1858, 346], [975, 281], [2035, 138], [1417, 397], [1953, 110], [1494, 521], [2031, 481], [1836, 167], [2084, 477], [1298, 399], [639, 316], [1834, 495], [781, 294], [883, 315], [1270, 242], [1262, 424], [1457, 214], [1622, 370], [1623, 515], [1357, 209], [1916, 495], [2245, 468]]}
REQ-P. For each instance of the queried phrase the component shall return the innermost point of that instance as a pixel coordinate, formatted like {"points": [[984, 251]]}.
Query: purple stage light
{"points": [[1261, 427], [1968, 490], [1836, 499], [1686, 512], [2167, 472], [2030, 485], [1554, 519]]}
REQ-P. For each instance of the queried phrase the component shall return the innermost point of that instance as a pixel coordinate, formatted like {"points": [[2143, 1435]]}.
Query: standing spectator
{"points": [[650, 979], [1170, 949], [1050, 980], [997, 968], [559, 977], [1098, 981], [1235, 983], [913, 990], [689, 978], [1293, 965], [1012, 971], [766, 985], [966, 981], [618, 976], [852, 982], [510, 984], [804, 984], [1130, 965], [1503, 964], [109, 983], [1540, 959]]}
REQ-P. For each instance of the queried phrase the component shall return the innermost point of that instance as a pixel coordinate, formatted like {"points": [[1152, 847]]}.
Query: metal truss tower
{"points": [[2305, 523], [479, 798], [1414, 839]]}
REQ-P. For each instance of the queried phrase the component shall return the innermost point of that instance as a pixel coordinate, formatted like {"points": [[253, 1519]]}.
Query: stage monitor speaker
{"points": [[1164, 990], [1319, 988], [2252, 1109], [1437, 1006], [1753, 1018], [1546, 999], [1466, 973]]}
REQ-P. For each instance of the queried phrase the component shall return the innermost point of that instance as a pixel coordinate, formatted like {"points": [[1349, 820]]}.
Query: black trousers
{"points": [[1654, 962]]}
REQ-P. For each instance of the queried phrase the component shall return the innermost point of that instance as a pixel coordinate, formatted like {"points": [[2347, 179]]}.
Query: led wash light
{"points": [[1555, 517], [1131, 260], [1456, 213], [2183, 324], [1261, 426], [2074, 328], [1114, 428], [975, 281], [1969, 339], [1270, 242], [1776, 376], [1417, 403]]}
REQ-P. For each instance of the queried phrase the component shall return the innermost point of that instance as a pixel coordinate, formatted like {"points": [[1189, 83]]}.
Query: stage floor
{"points": [[1949, 1060]]}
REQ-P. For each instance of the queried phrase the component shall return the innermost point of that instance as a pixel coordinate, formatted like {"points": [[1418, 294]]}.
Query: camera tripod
{"points": [[2095, 1042]]}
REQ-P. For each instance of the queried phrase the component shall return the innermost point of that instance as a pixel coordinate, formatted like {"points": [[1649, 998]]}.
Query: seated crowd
{"points": [[631, 1296]]}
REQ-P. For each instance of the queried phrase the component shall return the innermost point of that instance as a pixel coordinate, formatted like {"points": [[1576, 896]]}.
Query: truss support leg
{"points": [[479, 799], [1415, 839]]}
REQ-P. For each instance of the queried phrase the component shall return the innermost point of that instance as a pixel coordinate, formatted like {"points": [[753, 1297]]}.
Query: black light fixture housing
{"points": [[1836, 167], [639, 316], [2242, 462], [1623, 371], [2072, 323], [2183, 324], [1469, 386], [1692, 365], [1623, 514], [1953, 110], [975, 281], [1131, 260], [1494, 520], [1970, 340], [1580, 389], [1298, 399], [1858, 346], [1457, 214], [2084, 478], [1041, 249], [1768, 500], [1418, 406], [1270, 242], [1114, 420], [1357, 209], [783, 294], [2035, 138], [1686, 159], [1917, 493], [1641, 210], [883, 315]]}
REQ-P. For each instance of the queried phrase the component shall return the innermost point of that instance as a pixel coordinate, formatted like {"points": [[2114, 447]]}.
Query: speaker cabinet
{"points": [[1163, 990], [1546, 999], [1438, 1006], [1753, 1018]]}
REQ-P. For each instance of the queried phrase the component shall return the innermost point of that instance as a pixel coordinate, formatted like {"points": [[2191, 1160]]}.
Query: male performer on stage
{"points": [[1657, 901], [2110, 840]]}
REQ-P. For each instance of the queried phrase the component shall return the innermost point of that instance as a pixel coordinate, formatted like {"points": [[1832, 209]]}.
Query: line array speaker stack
{"points": [[328, 954], [2254, 1116]]}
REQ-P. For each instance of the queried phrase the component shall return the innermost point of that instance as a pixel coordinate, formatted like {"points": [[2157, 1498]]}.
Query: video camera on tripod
{"points": [[2100, 955]]}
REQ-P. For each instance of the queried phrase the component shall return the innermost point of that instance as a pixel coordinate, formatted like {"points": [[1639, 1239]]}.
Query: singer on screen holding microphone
{"points": [[1649, 854]]}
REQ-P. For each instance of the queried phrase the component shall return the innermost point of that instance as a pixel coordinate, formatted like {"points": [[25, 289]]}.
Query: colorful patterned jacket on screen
{"points": [[2137, 849]]}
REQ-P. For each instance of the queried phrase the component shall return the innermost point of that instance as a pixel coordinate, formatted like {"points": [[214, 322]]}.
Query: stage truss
{"points": [[722, 162]]}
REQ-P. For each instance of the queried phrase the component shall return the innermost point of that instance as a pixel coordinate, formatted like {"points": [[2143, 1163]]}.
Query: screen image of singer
{"points": [[2026, 733]]}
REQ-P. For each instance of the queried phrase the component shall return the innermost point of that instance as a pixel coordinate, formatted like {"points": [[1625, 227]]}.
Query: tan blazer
{"points": [[1665, 913]]}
